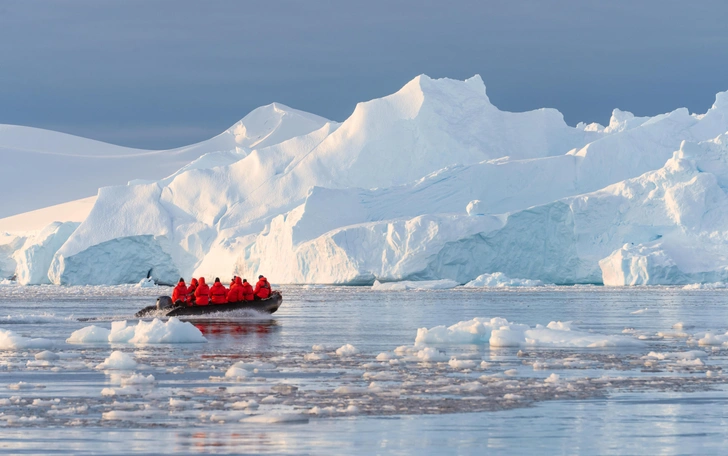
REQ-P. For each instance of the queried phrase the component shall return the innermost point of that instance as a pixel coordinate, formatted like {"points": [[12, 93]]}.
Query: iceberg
{"points": [[431, 183]]}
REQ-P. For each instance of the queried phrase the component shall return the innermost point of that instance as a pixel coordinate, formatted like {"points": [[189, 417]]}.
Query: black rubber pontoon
{"points": [[166, 308]]}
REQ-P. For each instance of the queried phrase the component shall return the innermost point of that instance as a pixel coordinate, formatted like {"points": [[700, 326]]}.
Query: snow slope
{"points": [[432, 182], [63, 167]]}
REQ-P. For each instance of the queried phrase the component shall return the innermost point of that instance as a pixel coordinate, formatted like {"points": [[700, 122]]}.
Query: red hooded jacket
{"points": [[262, 288], [202, 293], [248, 294], [218, 293], [180, 292], [236, 291], [191, 290]]}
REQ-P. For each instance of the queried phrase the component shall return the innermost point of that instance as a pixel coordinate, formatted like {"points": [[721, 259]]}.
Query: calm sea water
{"points": [[667, 407]]}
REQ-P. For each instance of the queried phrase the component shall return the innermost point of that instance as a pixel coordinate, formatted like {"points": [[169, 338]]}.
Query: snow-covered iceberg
{"points": [[430, 183]]}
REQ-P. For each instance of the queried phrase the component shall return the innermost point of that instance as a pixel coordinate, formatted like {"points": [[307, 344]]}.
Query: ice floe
{"points": [[173, 331]]}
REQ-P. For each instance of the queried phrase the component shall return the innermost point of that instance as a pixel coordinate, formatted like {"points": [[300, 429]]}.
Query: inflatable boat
{"points": [[166, 308]]}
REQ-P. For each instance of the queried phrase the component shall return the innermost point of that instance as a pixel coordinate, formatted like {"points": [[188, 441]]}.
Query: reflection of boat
{"points": [[166, 308], [234, 328]]}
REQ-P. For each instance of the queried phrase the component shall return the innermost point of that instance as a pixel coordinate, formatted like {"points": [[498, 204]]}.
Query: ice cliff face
{"points": [[432, 182]]}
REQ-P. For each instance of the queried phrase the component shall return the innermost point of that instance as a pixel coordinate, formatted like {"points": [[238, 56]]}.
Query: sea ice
{"points": [[500, 280], [118, 360], [498, 332], [173, 331], [11, 341]]}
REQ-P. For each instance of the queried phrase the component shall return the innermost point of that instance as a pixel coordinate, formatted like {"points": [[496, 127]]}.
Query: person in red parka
{"points": [[180, 292], [191, 291], [236, 291], [202, 293], [262, 288], [218, 292], [248, 294]]}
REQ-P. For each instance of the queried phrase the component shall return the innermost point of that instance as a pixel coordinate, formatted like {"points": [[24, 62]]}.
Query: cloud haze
{"points": [[160, 74]]}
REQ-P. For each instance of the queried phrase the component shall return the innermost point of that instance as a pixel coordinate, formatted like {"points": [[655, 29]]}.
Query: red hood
{"points": [[238, 280], [202, 281]]}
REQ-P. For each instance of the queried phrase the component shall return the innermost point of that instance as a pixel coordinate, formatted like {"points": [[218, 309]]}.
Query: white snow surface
{"points": [[431, 183]]}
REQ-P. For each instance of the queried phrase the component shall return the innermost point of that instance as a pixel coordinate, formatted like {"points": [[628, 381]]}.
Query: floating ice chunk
{"points": [[11, 341], [318, 348], [180, 403], [443, 284], [512, 397], [242, 369], [432, 355], [89, 335], [315, 356], [123, 391], [461, 364], [500, 280], [146, 283], [121, 333], [553, 378], [347, 350], [237, 372], [713, 339], [475, 331], [275, 418], [173, 331], [560, 325], [46, 356], [511, 372], [129, 415], [498, 332], [692, 354], [255, 366], [138, 379], [346, 389], [251, 404], [270, 400], [118, 360], [45, 402], [508, 336], [24, 385], [384, 356], [384, 376]]}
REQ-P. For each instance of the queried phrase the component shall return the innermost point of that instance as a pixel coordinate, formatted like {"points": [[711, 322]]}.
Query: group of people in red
{"points": [[201, 294]]}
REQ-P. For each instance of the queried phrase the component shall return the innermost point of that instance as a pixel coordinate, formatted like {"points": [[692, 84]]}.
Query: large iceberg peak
{"points": [[272, 124]]}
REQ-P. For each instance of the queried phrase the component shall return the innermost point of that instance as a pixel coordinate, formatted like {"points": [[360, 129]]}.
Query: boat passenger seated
{"points": [[191, 291], [218, 292], [262, 288], [248, 294], [202, 293], [236, 291], [179, 295]]}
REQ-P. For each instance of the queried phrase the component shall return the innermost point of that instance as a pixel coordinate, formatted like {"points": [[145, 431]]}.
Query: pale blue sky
{"points": [[160, 74]]}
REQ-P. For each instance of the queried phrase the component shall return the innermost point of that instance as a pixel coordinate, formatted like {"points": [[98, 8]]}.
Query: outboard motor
{"points": [[164, 302]]}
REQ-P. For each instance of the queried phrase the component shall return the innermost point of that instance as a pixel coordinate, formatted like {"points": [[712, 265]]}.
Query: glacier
{"points": [[430, 183]]}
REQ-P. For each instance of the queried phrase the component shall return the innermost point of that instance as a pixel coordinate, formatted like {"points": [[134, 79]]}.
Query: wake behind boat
{"points": [[165, 307]]}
